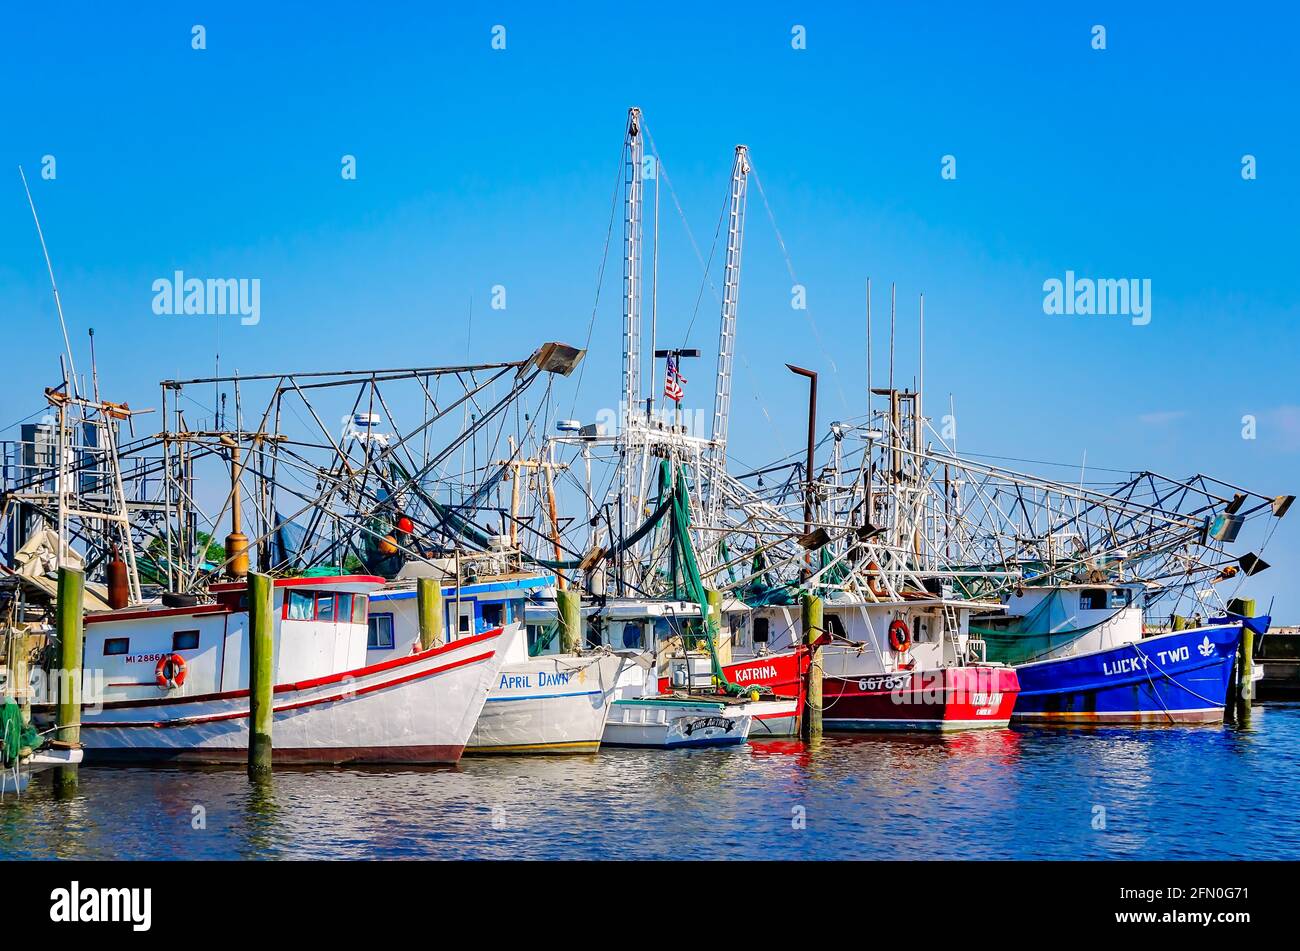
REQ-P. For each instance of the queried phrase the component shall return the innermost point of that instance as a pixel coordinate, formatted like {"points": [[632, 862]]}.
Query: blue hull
{"points": [[1180, 677]]}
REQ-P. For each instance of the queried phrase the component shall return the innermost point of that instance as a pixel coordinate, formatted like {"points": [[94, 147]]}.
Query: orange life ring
{"points": [[178, 672], [900, 638]]}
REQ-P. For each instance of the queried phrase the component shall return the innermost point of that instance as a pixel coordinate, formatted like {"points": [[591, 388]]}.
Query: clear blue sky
{"points": [[479, 167]]}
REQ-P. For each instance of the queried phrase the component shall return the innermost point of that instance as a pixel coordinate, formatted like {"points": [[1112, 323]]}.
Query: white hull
{"points": [[418, 708], [548, 704], [673, 724], [15, 779], [773, 718]]}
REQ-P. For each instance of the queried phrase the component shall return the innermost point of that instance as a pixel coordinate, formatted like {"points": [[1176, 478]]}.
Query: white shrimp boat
{"points": [[674, 722], [552, 703], [171, 683]]}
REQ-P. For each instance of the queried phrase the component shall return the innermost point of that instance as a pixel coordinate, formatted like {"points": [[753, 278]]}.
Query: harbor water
{"points": [[1211, 792]]}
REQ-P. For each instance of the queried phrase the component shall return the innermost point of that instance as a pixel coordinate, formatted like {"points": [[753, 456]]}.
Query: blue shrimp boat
{"points": [[1179, 677]]}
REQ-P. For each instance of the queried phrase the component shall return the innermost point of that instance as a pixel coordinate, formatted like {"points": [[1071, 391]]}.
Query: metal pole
{"points": [[812, 438]]}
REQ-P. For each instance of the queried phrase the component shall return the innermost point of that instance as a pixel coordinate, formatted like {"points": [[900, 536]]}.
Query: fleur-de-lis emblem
{"points": [[1206, 647]]}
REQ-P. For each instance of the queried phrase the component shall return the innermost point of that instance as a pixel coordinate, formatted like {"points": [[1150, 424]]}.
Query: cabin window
{"points": [[462, 623], [760, 630], [360, 604], [1092, 599], [301, 606], [344, 612], [835, 625], [634, 635], [491, 616], [380, 632], [737, 628], [325, 607], [117, 645], [1120, 598], [185, 640]]}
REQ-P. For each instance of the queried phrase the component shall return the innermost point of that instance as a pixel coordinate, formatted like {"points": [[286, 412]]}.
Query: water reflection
{"points": [[988, 794]]}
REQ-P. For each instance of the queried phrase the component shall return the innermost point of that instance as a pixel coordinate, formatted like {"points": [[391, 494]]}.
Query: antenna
{"points": [[58, 304], [868, 353], [94, 367]]}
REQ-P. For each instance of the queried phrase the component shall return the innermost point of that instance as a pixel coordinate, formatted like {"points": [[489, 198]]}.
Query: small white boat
{"points": [[674, 722], [15, 778]]}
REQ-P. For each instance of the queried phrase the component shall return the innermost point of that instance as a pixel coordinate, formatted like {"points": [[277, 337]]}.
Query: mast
{"points": [[632, 228], [634, 150], [727, 329]]}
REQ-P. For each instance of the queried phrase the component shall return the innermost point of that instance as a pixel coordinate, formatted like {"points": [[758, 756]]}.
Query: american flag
{"points": [[673, 381]]}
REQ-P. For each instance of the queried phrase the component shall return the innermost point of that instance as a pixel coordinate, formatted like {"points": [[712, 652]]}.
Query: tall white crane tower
{"points": [[727, 331]]}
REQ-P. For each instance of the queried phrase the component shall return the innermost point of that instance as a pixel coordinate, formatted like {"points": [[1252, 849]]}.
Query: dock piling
{"points": [[261, 673], [723, 645], [69, 625], [1244, 686], [810, 722], [429, 605], [568, 603]]}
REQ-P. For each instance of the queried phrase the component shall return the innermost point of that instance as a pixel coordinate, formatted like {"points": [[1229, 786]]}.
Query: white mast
{"points": [[635, 152], [727, 330]]}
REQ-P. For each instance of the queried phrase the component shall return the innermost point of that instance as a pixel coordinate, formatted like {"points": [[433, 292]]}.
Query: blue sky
{"points": [[478, 167]]}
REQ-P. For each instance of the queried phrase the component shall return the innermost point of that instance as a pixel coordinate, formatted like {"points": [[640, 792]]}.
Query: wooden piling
{"points": [[261, 673], [1244, 687], [810, 721], [69, 626], [568, 605], [429, 604], [723, 643]]}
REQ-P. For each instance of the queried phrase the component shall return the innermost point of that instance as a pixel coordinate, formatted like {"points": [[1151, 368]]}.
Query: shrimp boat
{"points": [[549, 703], [170, 683], [910, 665], [1098, 665]]}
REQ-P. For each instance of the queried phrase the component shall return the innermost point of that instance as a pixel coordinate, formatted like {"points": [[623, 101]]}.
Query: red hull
{"points": [[782, 674], [950, 698]]}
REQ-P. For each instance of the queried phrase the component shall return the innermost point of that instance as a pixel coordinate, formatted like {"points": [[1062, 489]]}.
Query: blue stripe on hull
{"points": [[1180, 677]]}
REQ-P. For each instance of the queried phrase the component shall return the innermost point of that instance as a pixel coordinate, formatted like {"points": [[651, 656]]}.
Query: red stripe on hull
{"points": [[951, 698], [315, 701]]}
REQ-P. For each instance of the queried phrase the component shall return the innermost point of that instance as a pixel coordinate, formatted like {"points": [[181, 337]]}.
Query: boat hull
{"points": [[420, 708], [1181, 677], [940, 700], [548, 704], [670, 724], [773, 718]]}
